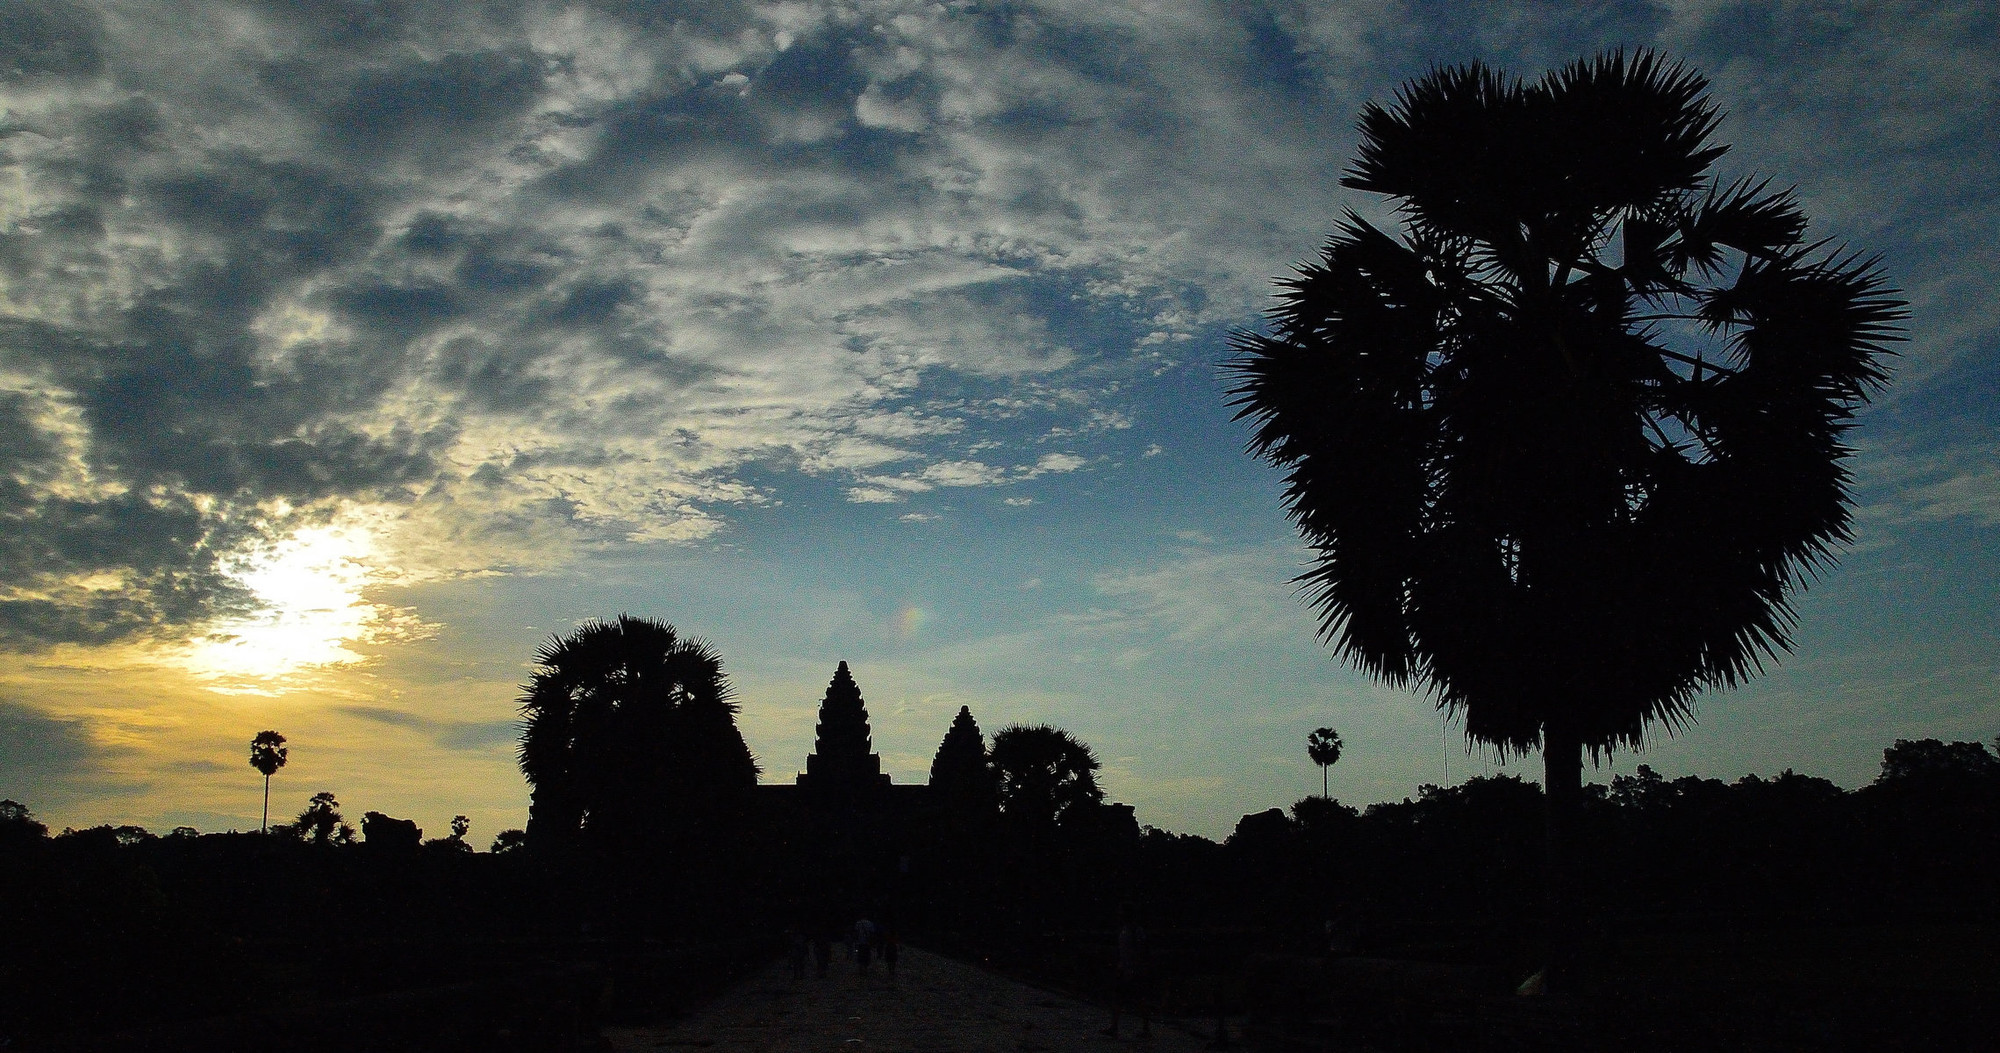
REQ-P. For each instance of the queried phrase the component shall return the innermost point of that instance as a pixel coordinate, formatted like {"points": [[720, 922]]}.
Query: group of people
{"points": [[1132, 981], [864, 942]]}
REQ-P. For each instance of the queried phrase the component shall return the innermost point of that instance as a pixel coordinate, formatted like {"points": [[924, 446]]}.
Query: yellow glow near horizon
{"points": [[311, 586]]}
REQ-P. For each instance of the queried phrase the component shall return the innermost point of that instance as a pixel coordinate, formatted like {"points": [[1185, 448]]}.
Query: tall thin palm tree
{"points": [[1564, 447], [267, 755], [621, 720], [1323, 747]]}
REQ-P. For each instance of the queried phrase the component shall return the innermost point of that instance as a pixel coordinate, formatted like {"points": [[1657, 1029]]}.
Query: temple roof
{"points": [[842, 759]]}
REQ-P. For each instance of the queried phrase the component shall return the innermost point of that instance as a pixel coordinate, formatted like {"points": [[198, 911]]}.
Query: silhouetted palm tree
{"points": [[624, 725], [321, 822], [1564, 447], [1044, 774], [267, 755], [1323, 746]]}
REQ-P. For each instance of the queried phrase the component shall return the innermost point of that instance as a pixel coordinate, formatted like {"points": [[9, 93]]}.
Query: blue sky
{"points": [[347, 353]]}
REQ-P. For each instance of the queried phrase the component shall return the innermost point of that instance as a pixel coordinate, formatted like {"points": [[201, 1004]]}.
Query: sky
{"points": [[348, 351]]}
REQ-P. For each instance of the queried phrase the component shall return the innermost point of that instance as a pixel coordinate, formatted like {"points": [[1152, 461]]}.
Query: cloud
{"points": [[47, 757], [473, 735], [53, 40], [962, 473], [551, 278], [1900, 483], [547, 278], [873, 495], [1206, 597]]}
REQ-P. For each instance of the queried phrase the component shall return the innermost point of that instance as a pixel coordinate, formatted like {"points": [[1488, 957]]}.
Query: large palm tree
{"points": [[1045, 775], [627, 725], [1563, 447]]}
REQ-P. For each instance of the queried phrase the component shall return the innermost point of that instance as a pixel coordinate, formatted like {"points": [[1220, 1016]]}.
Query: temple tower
{"points": [[841, 760]]}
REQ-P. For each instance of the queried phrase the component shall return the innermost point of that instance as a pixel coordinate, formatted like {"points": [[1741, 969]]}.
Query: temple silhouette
{"points": [[843, 773], [858, 837], [841, 759]]}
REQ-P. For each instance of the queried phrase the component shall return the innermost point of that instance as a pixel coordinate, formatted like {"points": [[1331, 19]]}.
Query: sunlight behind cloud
{"points": [[311, 587]]}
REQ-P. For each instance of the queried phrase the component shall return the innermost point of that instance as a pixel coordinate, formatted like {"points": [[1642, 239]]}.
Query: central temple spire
{"points": [[841, 759]]}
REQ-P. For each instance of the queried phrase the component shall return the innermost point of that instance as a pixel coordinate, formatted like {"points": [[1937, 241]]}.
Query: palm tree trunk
{"points": [[265, 826], [1562, 787], [1323, 791]]}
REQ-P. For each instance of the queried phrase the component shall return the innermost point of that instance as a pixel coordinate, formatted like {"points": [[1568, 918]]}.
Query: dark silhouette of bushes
{"points": [[221, 924]]}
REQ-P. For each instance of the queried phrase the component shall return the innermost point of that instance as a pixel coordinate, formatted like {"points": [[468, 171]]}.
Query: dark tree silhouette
{"points": [[1045, 775], [18, 824], [456, 843], [267, 755], [1934, 762], [626, 724], [508, 841], [960, 771], [1323, 746], [1564, 447], [321, 822]]}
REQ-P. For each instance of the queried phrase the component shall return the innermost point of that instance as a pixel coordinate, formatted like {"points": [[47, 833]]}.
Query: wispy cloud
{"points": [[450, 734]]}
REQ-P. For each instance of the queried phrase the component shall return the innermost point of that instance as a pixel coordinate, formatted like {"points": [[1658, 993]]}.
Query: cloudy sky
{"points": [[349, 350]]}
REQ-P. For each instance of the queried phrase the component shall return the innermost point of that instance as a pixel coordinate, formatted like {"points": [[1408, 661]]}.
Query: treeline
{"points": [[1012, 845], [1924, 836], [111, 927]]}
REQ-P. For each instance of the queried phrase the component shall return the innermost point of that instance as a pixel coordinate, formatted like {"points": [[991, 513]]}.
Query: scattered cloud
{"points": [[555, 278]]}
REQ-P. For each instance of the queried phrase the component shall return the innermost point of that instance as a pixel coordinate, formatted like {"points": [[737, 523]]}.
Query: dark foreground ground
{"points": [[1718, 982], [933, 1004], [1933, 987], [1713, 983]]}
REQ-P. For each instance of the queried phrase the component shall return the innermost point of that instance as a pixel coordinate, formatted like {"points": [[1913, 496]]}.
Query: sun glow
{"points": [[311, 588]]}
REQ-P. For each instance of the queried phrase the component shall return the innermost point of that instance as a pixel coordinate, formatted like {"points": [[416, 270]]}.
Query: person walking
{"points": [[1129, 986], [796, 938], [864, 945], [822, 950]]}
